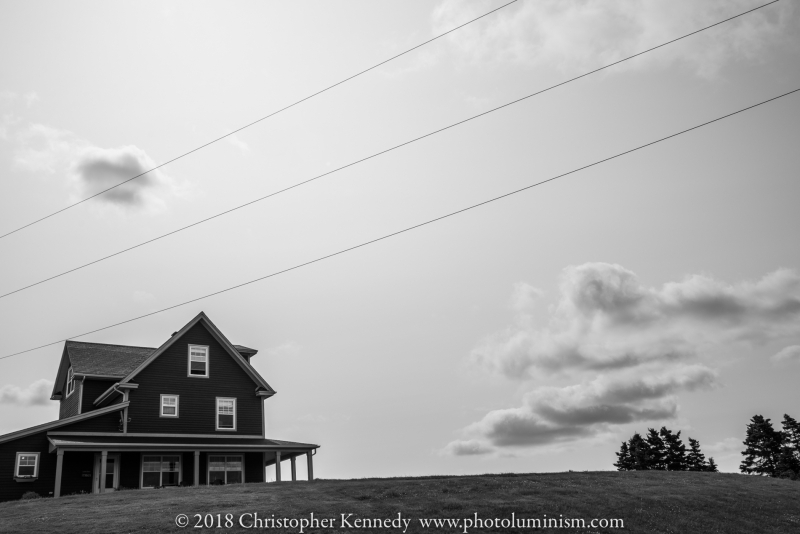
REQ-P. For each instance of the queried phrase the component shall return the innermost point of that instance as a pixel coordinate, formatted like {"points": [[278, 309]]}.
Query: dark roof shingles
{"points": [[105, 360]]}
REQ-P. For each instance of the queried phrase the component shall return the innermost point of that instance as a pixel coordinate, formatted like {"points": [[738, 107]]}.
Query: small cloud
{"points": [[30, 98], [467, 448], [524, 296], [234, 140], [788, 354], [37, 394]]}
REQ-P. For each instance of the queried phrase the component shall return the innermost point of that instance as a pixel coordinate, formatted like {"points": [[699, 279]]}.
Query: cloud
{"points": [[37, 394], [788, 354], [467, 448], [606, 318], [577, 35], [556, 414], [89, 169], [615, 351], [234, 140]]}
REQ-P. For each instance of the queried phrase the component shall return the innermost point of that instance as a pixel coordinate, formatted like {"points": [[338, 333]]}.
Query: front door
{"points": [[111, 483]]}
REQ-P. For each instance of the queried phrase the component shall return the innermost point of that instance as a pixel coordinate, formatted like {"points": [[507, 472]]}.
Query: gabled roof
{"points": [[99, 360], [262, 386], [62, 422]]}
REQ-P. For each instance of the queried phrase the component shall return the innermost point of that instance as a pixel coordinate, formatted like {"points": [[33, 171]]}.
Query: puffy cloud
{"points": [[555, 414], [790, 353], [606, 319], [90, 169], [624, 350], [577, 35], [36, 394]]}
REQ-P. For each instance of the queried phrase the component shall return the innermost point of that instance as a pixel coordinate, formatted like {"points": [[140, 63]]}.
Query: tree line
{"points": [[767, 452], [662, 450], [771, 452]]}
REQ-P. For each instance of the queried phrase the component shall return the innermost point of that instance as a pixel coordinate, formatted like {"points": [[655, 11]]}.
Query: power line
{"points": [[70, 206], [419, 225], [375, 154]]}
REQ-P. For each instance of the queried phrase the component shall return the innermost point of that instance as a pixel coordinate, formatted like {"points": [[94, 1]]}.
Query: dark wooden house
{"points": [[189, 412]]}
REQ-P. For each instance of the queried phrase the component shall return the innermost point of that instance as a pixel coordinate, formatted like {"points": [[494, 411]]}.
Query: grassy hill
{"points": [[646, 501]]}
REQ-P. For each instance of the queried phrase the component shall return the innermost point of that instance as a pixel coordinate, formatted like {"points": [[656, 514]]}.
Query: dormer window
{"points": [[198, 361], [70, 382], [169, 405]]}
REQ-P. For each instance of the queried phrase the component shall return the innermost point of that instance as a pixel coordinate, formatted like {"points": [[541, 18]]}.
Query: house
{"points": [[189, 412]]}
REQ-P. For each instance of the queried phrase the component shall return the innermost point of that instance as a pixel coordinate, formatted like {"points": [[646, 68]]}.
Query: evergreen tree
{"points": [[788, 466], [640, 453], [695, 459], [711, 467], [675, 450], [624, 459], [658, 450], [791, 434], [762, 448]]}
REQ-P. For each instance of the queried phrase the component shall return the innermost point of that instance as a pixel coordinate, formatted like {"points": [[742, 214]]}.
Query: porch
{"points": [[98, 464]]}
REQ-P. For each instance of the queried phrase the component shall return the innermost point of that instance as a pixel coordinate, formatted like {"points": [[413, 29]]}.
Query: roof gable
{"points": [[217, 334]]}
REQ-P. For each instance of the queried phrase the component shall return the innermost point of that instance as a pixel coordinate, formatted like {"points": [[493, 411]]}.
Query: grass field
{"points": [[652, 501]]}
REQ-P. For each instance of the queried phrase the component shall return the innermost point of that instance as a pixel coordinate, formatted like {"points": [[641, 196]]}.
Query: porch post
{"points": [[310, 466], [294, 469], [196, 468], [103, 462], [59, 465], [277, 466]]}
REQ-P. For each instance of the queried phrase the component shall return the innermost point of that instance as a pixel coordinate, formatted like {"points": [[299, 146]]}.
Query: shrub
{"points": [[30, 495]]}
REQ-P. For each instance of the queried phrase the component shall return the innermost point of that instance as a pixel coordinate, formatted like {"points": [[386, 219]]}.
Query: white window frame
{"points": [[70, 382], [226, 456], [35, 468], [177, 405], [161, 473], [217, 414], [189, 361]]}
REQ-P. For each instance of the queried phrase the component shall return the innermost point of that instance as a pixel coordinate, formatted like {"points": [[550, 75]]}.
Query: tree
{"points": [[762, 448], [640, 453], [791, 434], [624, 459], [658, 451], [675, 450], [711, 467], [695, 459]]}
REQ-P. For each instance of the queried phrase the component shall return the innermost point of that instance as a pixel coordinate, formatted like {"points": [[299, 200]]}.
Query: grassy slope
{"points": [[647, 501]]}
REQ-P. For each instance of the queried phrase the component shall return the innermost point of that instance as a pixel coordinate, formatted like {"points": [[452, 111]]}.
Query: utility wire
{"points": [[376, 154], [258, 120], [419, 225]]}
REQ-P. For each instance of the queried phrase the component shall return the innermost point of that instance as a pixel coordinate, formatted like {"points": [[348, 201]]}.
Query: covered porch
{"points": [[98, 464]]}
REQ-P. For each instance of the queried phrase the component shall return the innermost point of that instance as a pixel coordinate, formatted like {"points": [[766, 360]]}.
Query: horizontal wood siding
{"points": [[130, 464], [44, 485], [69, 406], [167, 374], [91, 390], [75, 464], [102, 423], [254, 467]]}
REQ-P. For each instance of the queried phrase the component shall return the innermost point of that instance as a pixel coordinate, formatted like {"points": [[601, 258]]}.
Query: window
{"points": [[27, 465], [198, 361], [226, 414], [161, 471], [169, 406], [70, 382], [225, 470]]}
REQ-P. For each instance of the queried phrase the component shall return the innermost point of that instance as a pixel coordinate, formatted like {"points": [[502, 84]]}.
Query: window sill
{"points": [[25, 479]]}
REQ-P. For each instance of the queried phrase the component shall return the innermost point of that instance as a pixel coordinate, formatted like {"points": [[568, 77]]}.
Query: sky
{"points": [[532, 334]]}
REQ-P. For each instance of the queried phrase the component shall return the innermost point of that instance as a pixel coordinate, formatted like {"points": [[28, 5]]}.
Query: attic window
{"points": [[198, 361], [70, 382]]}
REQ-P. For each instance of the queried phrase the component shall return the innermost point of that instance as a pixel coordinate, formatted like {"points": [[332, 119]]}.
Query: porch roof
{"points": [[139, 443]]}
